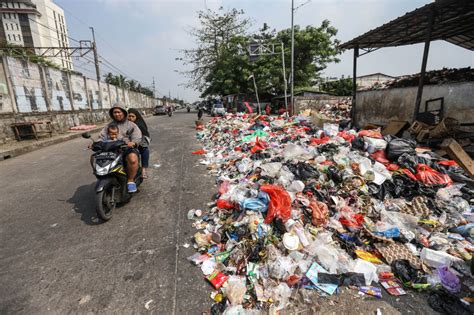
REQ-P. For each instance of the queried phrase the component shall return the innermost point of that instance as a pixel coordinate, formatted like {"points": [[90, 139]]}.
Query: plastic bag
{"points": [[320, 212], [259, 146], [281, 267], [199, 152], [224, 204], [235, 290], [280, 203], [397, 146], [449, 280], [352, 221], [374, 144], [372, 133], [271, 169], [445, 303], [380, 156], [368, 269], [256, 204], [429, 176], [331, 130], [281, 295]]}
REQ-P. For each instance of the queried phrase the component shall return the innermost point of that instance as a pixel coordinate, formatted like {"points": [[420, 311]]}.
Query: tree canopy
{"points": [[220, 64]]}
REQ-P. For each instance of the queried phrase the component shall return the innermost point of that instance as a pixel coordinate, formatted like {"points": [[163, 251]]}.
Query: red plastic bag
{"points": [[259, 146], [392, 167], [316, 141], [448, 163], [429, 176], [351, 220], [280, 203], [380, 156], [224, 204], [320, 212], [375, 133], [408, 173], [199, 152], [346, 136]]}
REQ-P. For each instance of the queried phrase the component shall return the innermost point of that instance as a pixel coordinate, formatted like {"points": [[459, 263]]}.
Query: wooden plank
{"points": [[457, 153], [394, 127]]}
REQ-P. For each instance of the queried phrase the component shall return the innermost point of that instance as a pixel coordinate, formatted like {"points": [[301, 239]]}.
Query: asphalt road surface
{"points": [[56, 258]]}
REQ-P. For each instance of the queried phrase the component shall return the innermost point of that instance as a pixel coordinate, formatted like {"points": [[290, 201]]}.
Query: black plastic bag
{"points": [[358, 143], [405, 272], [397, 146], [446, 303]]}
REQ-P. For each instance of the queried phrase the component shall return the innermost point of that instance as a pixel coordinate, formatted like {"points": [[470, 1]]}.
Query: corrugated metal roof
{"points": [[453, 22]]}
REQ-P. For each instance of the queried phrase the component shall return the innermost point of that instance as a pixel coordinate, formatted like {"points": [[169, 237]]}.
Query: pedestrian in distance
{"points": [[131, 135], [200, 113], [143, 147]]}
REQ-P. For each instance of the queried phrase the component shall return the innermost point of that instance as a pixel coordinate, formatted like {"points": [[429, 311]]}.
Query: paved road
{"points": [[56, 258]]}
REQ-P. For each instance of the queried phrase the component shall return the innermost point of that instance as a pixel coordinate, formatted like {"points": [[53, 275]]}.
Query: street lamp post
{"points": [[256, 93], [292, 75]]}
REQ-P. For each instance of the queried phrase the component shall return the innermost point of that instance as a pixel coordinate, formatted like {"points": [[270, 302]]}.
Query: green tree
{"points": [[214, 39], [221, 64], [341, 87]]}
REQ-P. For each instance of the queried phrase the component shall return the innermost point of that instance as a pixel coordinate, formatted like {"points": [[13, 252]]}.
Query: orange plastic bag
{"points": [[320, 212], [280, 203], [199, 152], [429, 176], [372, 133]]}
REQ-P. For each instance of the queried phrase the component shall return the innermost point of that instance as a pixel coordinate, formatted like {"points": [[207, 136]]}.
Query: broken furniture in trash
{"points": [[30, 129]]}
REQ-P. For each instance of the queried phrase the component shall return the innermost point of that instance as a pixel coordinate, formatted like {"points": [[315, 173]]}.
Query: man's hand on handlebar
{"points": [[131, 144]]}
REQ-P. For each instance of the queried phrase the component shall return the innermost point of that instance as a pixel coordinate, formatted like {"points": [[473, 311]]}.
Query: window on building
{"points": [[17, 27], [6, 25], [9, 38], [19, 38], [14, 37]]}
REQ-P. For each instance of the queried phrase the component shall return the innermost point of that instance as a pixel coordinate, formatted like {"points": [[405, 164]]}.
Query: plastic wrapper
{"points": [[319, 212], [235, 289]]}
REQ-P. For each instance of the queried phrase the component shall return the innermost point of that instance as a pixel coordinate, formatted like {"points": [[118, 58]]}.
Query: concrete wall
{"points": [[29, 92], [381, 106]]}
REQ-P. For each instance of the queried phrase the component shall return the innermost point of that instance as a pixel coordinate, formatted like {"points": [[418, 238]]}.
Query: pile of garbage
{"points": [[443, 76], [308, 210], [338, 111]]}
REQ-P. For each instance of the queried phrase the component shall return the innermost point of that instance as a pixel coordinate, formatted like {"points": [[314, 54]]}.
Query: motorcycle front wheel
{"points": [[105, 203]]}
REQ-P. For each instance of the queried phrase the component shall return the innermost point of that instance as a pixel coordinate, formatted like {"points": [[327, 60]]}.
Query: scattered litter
{"points": [[304, 204], [148, 305]]}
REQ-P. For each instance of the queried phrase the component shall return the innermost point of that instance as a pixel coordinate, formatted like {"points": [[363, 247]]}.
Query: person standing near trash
{"points": [[131, 135], [137, 118]]}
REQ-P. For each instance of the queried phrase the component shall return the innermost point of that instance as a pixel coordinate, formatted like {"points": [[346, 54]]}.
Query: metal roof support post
{"points": [[354, 85], [419, 94]]}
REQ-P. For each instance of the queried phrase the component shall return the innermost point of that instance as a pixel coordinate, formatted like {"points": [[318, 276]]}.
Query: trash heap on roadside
{"points": [[304, 210], [442, 76]]}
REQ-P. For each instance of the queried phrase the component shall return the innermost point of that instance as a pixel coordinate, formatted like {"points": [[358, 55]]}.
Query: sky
{"points": [[142, 38]]}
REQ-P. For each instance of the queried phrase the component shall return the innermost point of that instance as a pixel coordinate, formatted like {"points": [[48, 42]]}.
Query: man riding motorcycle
{"points": [[131, 135]]}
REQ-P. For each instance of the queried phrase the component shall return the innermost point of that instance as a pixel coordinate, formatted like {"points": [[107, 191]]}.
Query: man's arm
{"points": [[136, 134]]}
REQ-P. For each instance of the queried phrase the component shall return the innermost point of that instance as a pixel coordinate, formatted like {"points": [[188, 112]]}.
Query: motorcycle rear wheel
{"points": [[104, 203]]}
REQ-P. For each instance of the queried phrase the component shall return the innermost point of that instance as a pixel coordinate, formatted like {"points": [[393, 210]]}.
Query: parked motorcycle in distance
{"points": [[108, 166]]}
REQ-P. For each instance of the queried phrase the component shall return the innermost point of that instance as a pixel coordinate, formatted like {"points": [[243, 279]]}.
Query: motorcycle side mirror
{"points": [[86, 135]]}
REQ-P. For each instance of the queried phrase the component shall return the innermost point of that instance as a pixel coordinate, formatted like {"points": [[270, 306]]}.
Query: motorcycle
{"points": [[189, 109], [170, 112], [108, 166]]}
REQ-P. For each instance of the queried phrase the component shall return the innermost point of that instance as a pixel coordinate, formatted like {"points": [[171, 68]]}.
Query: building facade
{"points": [[35, 23]]}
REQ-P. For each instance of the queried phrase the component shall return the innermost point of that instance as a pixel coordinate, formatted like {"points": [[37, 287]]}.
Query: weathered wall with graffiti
{"points": [[29, 92]]}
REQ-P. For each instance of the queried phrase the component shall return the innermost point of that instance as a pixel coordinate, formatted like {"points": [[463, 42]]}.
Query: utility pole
{"points": [[154, 91], [292, 57], [96, 55], [284, 76]]}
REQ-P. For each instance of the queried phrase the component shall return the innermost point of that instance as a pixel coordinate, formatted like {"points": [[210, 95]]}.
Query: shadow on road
{"points": [[83, 202]]}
